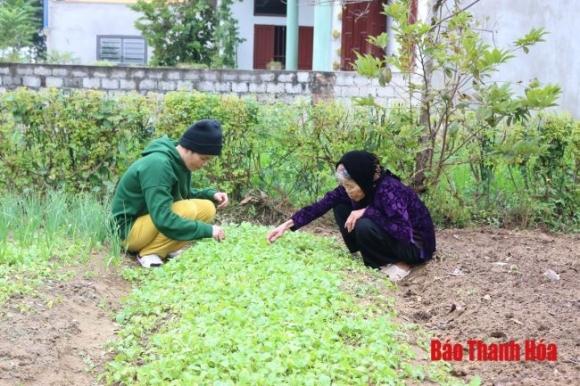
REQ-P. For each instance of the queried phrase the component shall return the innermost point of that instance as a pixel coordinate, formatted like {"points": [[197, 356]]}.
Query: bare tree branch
{"points": [[443, 20]]}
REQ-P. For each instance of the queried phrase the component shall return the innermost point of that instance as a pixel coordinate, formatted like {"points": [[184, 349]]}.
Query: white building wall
{"points": [[73, 26], [244, 12], [557, 60]]}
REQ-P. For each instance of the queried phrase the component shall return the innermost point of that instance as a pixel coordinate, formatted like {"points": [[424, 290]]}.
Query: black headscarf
{"points": [[362, 167]]}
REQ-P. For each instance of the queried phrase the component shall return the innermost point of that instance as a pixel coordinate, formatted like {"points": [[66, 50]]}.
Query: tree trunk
{"points": [[422, 159], [423, 156]]}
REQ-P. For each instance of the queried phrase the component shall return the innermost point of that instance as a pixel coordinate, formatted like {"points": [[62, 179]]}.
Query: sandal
{"points": [[395, 273]]}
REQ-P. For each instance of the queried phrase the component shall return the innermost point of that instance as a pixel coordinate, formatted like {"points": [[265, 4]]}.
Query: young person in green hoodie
{"points": [[155, 209]]}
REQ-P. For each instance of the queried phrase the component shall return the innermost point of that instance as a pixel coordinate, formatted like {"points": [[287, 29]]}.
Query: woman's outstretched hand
{"points": [[277, 232], [353, 218]]}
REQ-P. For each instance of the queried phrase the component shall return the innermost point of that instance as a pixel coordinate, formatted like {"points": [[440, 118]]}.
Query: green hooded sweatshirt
{"points": [[151, 185]]}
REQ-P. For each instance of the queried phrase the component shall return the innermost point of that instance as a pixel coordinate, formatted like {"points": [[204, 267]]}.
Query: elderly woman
{"points": [[376, 214]]}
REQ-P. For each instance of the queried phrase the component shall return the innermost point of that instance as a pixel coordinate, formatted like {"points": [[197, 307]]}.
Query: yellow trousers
{"points": [[145, 239]]}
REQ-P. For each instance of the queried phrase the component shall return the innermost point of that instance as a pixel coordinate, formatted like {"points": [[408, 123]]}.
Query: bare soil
{"points": [[59, 336], [483, 284], [492, 285]]}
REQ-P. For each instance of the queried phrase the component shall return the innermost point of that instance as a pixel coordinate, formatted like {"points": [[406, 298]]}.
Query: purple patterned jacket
{"points": [[396, 208]]}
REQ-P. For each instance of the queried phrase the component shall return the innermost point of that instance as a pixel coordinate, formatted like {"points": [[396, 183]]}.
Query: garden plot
{"points": [[297, 312], [245, 312]]}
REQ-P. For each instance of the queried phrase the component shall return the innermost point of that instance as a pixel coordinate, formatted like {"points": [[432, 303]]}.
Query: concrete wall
{"points": [[264, 85], [244, 12], [557, 60]]}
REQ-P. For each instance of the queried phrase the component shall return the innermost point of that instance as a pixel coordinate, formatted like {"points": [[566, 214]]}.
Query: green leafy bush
{"points": [[542, 161], [83, 141], [78, 141], [233, 169]]}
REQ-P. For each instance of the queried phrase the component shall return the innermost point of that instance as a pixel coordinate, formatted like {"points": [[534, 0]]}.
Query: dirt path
{"points": [[60, 337], [491, 285]]}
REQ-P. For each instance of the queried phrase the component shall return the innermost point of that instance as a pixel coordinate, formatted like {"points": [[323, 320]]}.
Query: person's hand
{"points": [[277, 232], [222, 199], [353, 218], [218, 233]]}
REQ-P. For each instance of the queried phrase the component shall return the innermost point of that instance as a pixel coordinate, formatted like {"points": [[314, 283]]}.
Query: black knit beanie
{"points": [[203, 137]]}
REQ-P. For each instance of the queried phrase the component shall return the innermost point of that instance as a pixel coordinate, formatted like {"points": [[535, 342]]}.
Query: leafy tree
{"points": [[446, 68], [226, 36], [19, 24], [39, 39], [188, 31]]}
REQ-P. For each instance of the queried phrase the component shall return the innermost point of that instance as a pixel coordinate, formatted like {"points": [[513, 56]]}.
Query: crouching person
{"points": [[154, 207], [376, 214]]}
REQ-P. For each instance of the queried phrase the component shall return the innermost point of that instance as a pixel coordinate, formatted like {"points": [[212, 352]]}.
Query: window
{"points": [[122, 49], [269, 8], [280, 44]]}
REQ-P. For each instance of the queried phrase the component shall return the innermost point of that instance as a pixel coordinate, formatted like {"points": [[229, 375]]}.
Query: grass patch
{"points": [[41, 233], [243, 312], [25, 266]]}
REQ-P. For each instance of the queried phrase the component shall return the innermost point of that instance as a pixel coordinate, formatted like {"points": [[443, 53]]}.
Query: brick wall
{"points": [[265, 85]]}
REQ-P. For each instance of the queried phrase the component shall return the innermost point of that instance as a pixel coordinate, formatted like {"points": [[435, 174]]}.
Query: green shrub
{"points": [[77, 142], [233, 169], [83, 141]]}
